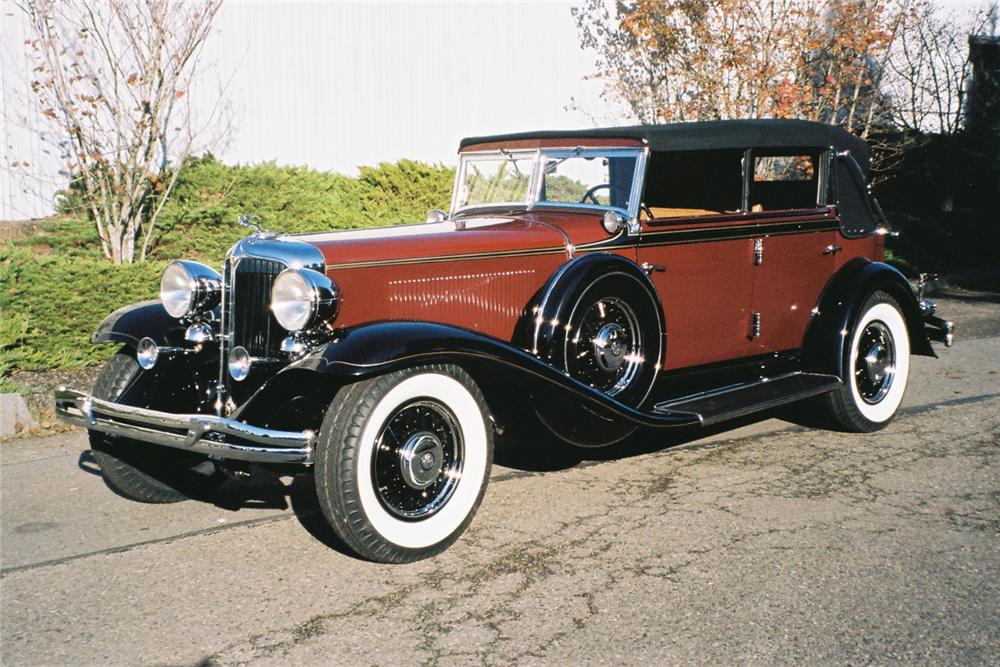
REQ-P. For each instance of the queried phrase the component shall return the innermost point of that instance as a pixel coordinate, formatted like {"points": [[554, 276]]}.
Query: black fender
{"points": [[543, 327], [373, 349], [825, 344], [132, 323]]}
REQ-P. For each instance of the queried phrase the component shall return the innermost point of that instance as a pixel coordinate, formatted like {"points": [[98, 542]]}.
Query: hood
{"points": [[546, 232]]}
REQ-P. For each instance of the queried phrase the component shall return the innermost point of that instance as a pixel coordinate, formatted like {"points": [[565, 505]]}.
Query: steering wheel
{"points": [[589, 194]]}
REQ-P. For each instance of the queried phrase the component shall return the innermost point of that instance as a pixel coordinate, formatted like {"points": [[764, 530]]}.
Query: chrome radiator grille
{"points": [[252, 265], [251, 322]]}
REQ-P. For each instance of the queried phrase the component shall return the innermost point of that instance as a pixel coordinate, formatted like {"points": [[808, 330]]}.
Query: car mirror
{"points": [[436, 215]]}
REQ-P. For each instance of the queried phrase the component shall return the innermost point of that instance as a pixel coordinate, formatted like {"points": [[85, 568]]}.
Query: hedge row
{"points": [[56, 287]]}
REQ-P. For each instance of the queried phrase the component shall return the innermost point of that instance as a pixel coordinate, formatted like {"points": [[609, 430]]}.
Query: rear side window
{"points": [[785, 180]]}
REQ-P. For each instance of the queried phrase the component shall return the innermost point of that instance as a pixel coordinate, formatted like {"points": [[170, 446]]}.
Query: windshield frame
{"points": [[539, 158]]}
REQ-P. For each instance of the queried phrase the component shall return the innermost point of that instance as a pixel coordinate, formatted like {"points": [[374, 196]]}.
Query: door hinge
{"points": [[755, 327], [758, 251]]}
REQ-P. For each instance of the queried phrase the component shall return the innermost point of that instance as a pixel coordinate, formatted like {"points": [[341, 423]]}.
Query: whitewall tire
{"points": [[403, 460], [876, 368]]}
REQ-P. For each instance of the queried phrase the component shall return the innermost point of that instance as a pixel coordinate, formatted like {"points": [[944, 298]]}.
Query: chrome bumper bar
{"points": [[217, 437], [937, 328]]}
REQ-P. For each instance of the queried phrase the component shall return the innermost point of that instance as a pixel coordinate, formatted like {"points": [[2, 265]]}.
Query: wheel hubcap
{"points": [[417, 459], [876, 362], [606, 351], [609, 346], [420, 460]]}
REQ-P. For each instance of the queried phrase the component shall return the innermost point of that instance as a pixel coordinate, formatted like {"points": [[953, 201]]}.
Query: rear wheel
{"points": [[137, 470], [876, 369], [402, 462]]}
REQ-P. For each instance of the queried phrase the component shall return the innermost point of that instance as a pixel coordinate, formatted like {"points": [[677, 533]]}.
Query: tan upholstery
{"points": [[659, 212]]}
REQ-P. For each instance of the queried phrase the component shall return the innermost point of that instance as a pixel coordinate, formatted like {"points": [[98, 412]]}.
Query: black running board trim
{"points": [[761, 395]]}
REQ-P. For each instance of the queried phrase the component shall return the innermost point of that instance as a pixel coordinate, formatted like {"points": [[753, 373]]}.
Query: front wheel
{"points": [[875, 370], [140, 471], [402, 462]]}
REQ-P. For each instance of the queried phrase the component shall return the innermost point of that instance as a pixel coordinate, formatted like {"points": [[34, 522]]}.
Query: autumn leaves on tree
{"points": [[830, 61]]}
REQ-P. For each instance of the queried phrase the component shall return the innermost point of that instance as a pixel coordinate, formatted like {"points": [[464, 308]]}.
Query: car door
{"points": [[704, 278], [698, 252], [794, 254]]}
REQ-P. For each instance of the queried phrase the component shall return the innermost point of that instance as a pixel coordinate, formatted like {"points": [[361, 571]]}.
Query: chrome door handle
{"points": [[653, 268], [832, 249]]}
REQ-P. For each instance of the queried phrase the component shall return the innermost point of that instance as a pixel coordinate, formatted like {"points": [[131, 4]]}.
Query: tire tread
{"points": [[336, 452]]}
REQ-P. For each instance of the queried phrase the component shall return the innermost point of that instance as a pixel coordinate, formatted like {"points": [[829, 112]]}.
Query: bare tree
{"points": [[929, 69], [114, 78]]}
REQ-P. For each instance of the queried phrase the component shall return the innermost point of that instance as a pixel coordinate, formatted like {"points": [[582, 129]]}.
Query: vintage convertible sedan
{"points": [[591, 283]]}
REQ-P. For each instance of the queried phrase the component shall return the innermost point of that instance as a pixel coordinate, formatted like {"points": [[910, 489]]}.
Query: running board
{"points": [[727, 403]]}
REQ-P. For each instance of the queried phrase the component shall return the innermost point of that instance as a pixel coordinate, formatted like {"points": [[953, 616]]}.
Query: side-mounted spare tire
{"points": [[598, 319]]}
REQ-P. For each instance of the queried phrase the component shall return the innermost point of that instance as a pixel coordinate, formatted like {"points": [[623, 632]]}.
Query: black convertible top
{"points": [[714, 134]]}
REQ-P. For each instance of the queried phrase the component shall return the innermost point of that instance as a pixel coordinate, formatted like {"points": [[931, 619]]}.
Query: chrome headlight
{"points": [[303, 298], [189, 287]]}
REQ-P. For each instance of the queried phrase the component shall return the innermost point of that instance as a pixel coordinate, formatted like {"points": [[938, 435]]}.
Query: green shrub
{"points": [[56, 287], [50, 304], [199, 220]]}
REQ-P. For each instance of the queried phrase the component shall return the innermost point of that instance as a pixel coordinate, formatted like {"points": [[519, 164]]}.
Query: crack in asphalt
{"points": [[481, 605], [710, 448]]}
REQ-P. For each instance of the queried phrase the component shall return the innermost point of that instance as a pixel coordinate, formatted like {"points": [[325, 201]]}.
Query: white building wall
{"points": [[339, 85], [30, 169]]}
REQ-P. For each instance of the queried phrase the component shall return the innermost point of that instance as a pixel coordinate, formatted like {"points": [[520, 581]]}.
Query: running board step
{"points": [[715, 406]]}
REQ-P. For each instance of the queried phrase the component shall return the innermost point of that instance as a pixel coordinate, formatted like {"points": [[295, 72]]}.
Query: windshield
{"points": [[594, 177], [501, 178]]}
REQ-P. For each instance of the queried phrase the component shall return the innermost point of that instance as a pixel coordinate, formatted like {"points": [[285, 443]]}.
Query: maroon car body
{"points": [[591, 283]]}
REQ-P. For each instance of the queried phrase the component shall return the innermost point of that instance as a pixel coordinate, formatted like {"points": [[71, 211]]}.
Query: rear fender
{"points": [[828, 336]]}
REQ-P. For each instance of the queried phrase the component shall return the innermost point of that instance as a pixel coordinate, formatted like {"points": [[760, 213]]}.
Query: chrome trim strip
{"points": [[451, 258], [252, 443]]}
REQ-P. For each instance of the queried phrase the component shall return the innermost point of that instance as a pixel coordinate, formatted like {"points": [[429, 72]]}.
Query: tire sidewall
{"points": [[885, 311], [445, 524]]}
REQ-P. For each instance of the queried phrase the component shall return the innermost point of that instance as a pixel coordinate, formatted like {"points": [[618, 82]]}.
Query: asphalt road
{"points": [[768, 542]]}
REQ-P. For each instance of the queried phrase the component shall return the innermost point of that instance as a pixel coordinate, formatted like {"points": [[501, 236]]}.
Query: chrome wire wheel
{"points": [[875, 364], [417, 459], [607, 346]]}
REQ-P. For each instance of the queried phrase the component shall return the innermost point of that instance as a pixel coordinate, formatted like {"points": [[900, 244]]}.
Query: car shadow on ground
{"points": [[260, 488], [533, 450], [540, 451]]}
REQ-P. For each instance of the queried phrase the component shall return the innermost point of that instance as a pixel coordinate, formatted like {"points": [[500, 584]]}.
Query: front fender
{"points": [[132, 323], [826, 341], [374, 349]]}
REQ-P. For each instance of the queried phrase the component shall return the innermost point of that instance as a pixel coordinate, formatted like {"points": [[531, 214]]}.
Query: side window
{"points": [[683, 184], [789, 179]]}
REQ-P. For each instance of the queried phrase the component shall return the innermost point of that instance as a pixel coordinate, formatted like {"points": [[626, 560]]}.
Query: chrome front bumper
{"points": [[217, 437]]}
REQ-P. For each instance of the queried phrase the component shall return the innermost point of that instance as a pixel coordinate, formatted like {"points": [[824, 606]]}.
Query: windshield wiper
{"points": [[513, 161]]}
